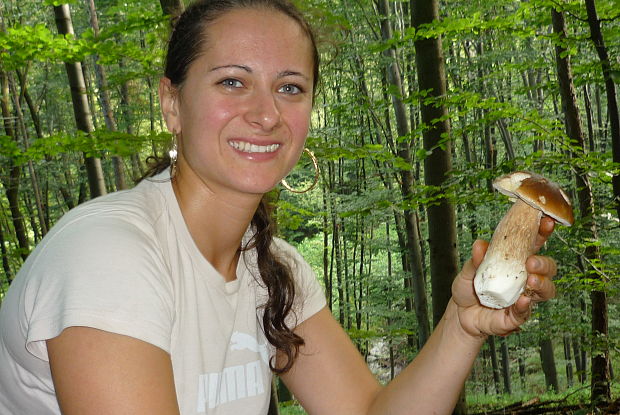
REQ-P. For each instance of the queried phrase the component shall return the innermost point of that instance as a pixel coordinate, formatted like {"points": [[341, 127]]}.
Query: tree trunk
{"points": [[579, 367], [338, 253], [601, 392], [584, 353], [416, 278], [407, 255], [25, 136], [11, 183], [5, 261], [521, 364], [610, 88], [505, 366], [81, 108], [104, 99], [547, 360], [569, 360], [136, 165], [325, 231], [437, 164], [494, 363], [31, 216]]}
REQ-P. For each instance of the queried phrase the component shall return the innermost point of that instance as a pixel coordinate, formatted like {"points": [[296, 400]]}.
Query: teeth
{"points": [[253, 148]]}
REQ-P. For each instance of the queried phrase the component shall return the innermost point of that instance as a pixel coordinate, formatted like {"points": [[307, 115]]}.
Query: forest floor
{"points": [[536, 406], [531, 407]]}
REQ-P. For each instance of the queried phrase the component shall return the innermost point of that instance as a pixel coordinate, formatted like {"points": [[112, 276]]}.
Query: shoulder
{"points": [[289, 254], [112, 236], [140, 205], [310, 297], [101, 266], [130, 215]]}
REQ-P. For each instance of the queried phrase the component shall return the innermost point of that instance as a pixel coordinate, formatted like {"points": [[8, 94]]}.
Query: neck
{"points": [[217, 220]]}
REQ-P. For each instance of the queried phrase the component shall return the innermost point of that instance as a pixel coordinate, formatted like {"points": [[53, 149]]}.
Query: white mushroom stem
{"points": [[501, 276]]}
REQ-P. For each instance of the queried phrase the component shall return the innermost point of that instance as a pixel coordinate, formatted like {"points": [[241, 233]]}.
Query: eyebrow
{"points": [[249, 70], [292, 73], [245, 68]]}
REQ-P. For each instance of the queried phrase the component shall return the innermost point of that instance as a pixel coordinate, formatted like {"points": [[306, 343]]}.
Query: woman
{"points": [[174, 297]]}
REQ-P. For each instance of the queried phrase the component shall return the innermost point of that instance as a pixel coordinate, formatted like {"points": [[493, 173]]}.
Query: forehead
{"points": [[257, 33]]}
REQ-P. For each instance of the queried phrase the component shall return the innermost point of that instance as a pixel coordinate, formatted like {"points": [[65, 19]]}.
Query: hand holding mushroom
{"points": [[535, 272], [501, 277]]}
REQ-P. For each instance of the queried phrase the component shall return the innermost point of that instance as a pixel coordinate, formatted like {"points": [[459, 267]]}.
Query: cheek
{"points": [[208, 114], [216, 116], [300, 125]]}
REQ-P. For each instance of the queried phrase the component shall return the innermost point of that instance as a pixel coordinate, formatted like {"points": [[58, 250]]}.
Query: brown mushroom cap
{"points": [[539, 193]]}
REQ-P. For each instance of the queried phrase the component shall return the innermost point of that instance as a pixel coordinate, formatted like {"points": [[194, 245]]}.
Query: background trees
{"points": [[519, 78]]}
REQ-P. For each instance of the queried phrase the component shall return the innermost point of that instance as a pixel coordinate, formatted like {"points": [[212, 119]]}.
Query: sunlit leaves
{"points": [[97, 144], [21, 44]]}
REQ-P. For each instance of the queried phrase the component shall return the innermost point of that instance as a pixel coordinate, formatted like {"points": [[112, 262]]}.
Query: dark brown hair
{"points": [[186, 42], [189, 35]]}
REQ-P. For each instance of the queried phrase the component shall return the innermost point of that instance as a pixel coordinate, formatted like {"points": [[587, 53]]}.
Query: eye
{"points": [[290, 89], [231, 83]]}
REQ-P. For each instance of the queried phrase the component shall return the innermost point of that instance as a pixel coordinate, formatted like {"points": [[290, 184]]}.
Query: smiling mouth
{"points": [[246, 147]]}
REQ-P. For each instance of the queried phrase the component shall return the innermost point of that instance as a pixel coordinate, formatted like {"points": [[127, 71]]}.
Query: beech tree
{"points": [[81, 107], [420, 106]]}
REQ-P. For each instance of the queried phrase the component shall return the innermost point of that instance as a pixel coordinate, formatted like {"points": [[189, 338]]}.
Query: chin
{"points": [[259, 188]]}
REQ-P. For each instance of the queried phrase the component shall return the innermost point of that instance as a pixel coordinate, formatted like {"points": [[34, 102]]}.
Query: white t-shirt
{"points": [[126, 263]]}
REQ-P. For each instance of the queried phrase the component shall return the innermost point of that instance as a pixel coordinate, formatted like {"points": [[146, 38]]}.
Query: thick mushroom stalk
{"points": [[501, 276]]}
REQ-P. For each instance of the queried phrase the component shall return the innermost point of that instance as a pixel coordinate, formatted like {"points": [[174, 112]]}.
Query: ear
{"points": [[169, 104]]}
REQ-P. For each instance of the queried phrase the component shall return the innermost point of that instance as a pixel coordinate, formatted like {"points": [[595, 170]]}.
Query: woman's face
{"points": [[243, 112]]}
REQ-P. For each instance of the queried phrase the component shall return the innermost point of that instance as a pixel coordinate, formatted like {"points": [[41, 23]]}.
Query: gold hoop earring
{"points": [[317, 173], [173, 154]]}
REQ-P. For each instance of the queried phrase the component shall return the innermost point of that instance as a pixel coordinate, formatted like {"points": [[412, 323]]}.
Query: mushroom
{"points": [[501, 276]]}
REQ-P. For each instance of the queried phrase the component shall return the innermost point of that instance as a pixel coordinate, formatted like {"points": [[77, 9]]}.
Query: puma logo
{"points": [[243, 341]]}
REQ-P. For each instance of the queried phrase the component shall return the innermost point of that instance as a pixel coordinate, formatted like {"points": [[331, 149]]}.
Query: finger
{"points": [[463, 287], [545, 229], [506, 321], [478, 249], [541, 265], [512, 318], [519, 312], [522, 308], [539, 288]]}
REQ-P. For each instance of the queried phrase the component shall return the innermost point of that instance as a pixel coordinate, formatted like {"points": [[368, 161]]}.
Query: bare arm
{"points": [[96, 372], [330, 376]]}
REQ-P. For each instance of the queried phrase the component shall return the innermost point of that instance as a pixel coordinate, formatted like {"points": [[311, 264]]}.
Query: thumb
{"points": [[478, 249]]}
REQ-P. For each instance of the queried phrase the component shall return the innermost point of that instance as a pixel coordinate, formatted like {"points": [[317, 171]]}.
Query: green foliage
{"points": [[23, 43], [503, 106], [59, 2], [97, 144]]}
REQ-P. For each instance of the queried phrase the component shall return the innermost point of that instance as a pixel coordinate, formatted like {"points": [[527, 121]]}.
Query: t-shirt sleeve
{"points": [[102, 272], [310, 295]]}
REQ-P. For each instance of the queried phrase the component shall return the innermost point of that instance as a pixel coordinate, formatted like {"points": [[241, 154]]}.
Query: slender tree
{"points": [[407, 180], [104, 99], [596, 35], [12, 182], [81, 108], [438, 162], [601, 392]]}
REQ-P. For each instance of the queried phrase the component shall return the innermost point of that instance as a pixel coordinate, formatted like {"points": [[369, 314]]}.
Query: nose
{"points": [[263, 111]]}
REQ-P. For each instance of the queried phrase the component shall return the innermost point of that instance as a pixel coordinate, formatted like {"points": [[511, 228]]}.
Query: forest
{"points": [[421, 105]]}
